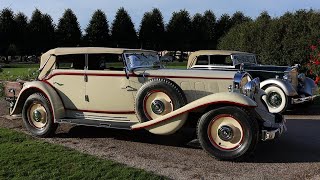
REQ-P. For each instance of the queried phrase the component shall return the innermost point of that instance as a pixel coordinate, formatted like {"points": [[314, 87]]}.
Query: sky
{"points": [[136, 8]]}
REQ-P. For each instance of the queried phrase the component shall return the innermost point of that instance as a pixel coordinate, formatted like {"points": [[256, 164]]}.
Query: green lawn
{"points": [[22, 157], [176, 65], [12, 72]]}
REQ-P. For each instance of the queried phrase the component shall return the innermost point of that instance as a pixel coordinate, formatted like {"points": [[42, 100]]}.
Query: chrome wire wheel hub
{"points": [[37, 115], [274, 99]]}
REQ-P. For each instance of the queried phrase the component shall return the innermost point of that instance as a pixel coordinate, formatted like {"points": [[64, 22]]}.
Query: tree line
{"points": [[22, 36], [285, 40], [279, 40]]}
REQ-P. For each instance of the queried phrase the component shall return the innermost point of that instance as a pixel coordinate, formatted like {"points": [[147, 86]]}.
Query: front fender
{"points": [[39, 87], [171, 122], [310, 88], [287, 88]]}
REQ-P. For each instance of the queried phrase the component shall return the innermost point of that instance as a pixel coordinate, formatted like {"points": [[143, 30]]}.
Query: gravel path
{"points": [[296, 155]]}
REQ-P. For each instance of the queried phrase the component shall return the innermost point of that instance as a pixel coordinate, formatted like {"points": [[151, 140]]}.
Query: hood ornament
{"points": [[241, 67]]}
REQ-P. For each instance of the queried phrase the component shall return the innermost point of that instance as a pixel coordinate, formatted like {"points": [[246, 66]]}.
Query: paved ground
{"points": [[295, 156]]}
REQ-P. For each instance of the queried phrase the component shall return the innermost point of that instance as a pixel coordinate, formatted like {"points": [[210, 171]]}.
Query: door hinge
{"points": [[86, 97], [85, 78]]}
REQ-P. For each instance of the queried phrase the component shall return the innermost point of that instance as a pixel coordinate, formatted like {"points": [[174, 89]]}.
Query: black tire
{"points": [[49, 127], [173, 91], [245, 141]]}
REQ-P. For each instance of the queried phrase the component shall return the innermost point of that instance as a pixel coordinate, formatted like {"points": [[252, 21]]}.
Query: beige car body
{"points": [[113, 100]]}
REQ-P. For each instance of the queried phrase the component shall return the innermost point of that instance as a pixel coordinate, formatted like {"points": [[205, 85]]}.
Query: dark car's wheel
{"points": [[228, 133], [158, 97], [37, 116], [277, 100]]}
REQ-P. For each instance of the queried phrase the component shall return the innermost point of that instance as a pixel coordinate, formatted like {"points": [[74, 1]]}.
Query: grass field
{"points": [[23, 157], [12, 72]]}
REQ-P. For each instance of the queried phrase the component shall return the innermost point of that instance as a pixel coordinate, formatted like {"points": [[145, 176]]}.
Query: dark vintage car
{"points": [[283, 85]]}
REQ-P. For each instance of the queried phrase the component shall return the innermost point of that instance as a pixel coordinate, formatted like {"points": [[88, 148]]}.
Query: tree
{"points": [[152, 31], [239, 18], [68, 30], [199, 30], [97, 32], [21, 21], [49, 32], [222, 27], [7, 32], [210, 22], [41, 33], [179, 31], [123, 33]]}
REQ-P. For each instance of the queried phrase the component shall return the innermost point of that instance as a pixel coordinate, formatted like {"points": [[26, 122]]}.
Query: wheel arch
{"points": [[285, 86], [30, 88]]}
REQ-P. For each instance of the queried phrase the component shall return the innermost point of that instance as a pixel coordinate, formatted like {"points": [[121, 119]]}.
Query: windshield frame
{"points": [[128, 66], [251, 55]]}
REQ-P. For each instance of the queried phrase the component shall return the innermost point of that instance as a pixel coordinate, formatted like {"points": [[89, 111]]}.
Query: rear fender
{"points": [[30, 88], [287, 88], [171, 122]]}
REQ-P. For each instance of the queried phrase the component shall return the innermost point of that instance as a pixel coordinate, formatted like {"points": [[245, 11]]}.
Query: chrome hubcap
{"points": [[37, 115], [225, 133], [274, 99], [157, 107]]}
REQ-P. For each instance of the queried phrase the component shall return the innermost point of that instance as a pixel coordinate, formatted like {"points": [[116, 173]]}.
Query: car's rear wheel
{"points": [[276, 99], [158, 97], [228, 133], [37, 116]]}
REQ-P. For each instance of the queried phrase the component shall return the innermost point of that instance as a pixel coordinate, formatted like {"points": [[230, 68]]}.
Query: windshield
{"points": [[245, 59], [140, 60]]}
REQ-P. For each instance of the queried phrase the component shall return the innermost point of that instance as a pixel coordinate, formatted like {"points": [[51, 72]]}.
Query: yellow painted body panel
{"points": [[40, 87], [171, 122]]}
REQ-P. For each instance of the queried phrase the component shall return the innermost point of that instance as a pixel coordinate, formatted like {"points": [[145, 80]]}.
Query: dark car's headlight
{"points": [[302, 77]]}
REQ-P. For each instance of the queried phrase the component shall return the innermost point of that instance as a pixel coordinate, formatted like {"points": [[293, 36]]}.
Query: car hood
{"points": [[186, 73], [273, 68]]}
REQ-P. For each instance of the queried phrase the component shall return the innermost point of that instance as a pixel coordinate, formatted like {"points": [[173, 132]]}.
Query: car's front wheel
{"points": [[276, 99], [228, 133], [37, 116]]}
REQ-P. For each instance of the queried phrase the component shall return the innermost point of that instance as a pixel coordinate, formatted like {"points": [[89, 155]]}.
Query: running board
{"points": [[95, 123]]}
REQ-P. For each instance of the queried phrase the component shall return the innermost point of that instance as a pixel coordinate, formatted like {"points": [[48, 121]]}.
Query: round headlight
{"points": [[302, 77], [251, 87], [241, 79]]}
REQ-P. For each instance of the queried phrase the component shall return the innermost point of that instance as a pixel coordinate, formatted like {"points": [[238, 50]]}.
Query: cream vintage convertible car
{"points": [[129, 89]]}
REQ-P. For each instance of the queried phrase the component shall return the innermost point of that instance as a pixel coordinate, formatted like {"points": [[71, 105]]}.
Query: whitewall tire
{"points": [[276, 99]]}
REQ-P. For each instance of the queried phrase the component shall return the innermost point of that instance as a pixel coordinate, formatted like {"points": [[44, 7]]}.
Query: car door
{"points": [[107, 88], [68, 80]]}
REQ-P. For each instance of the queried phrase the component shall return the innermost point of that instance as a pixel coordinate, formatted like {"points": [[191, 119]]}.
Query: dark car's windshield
{"points": [[245, 59]]}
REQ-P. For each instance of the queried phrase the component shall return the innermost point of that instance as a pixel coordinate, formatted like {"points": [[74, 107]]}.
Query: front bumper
{"points": [[303, 99], [273, 125], [273, 133]]}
